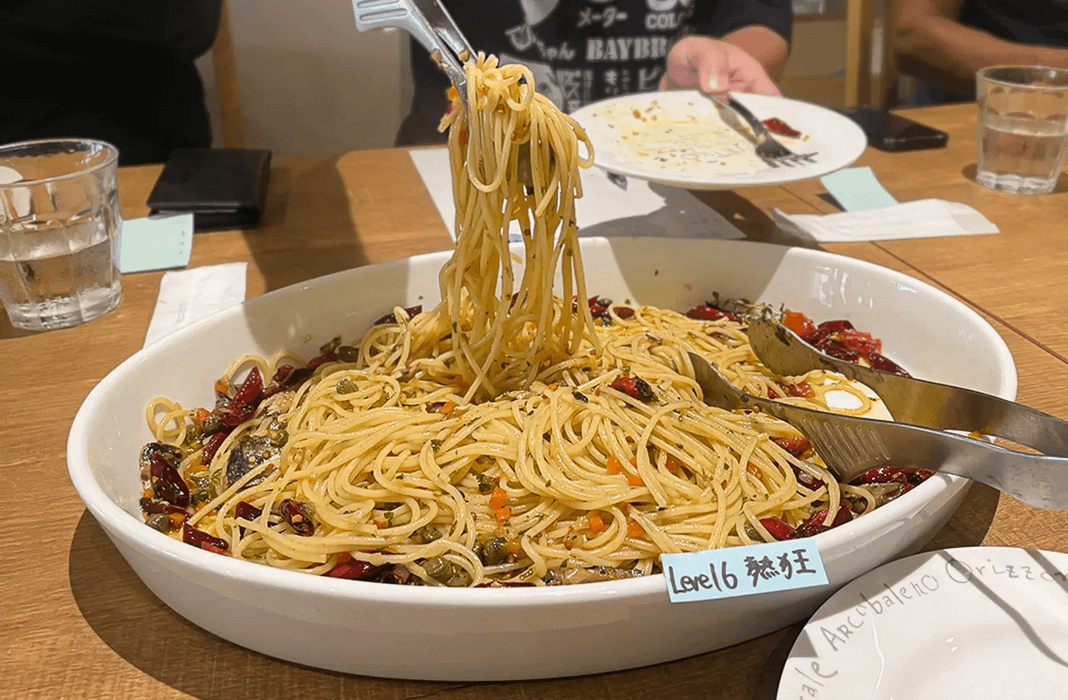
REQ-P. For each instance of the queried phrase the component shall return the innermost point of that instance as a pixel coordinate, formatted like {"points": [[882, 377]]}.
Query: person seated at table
{"points": [[120, 71], [581, 51], [944, 42]]}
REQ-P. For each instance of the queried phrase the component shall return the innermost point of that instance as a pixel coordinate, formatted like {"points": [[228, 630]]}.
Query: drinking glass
{"points": [[1022, 127], [59, 227]]}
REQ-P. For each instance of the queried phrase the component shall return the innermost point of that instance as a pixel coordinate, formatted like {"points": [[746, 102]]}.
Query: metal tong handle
{"points": [[429, 23], [850, 445], [916, 401]]}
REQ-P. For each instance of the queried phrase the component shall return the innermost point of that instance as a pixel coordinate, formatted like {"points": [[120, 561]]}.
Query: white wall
{"points": [[311, 83]]}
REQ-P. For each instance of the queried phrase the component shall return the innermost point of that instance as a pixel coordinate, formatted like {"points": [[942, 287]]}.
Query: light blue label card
{"points": [[857, 189], [738, 571], [157, 242]]}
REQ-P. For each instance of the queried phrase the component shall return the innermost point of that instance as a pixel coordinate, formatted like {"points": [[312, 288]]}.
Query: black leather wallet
{"points": [[222, 187]]}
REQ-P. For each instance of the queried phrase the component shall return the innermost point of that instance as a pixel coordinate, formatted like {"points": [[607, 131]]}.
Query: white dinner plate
{"points": [[955, 624], [681, 138]]}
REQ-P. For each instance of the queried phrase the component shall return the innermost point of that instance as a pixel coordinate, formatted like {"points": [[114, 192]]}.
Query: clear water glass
{"points": [[59, 232], [1022, 128]]}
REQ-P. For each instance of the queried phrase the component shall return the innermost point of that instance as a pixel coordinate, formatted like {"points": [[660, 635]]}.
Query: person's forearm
{"points": [[763, 44], [945, 53]]}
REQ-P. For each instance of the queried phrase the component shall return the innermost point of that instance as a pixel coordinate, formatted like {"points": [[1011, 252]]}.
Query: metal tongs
{"points": [[915, 401], [430, 24], [851, 446]]}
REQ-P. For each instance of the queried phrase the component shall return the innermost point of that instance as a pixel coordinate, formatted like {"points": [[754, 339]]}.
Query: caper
{"points": [[277, 436], [198, 496], [494, 552], [438, 568], [193, 433], [346, 386], [212, 424], [159, 521], [460, 578], [426, 535]]}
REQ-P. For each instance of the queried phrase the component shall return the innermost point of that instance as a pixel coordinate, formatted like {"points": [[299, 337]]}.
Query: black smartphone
{"points": [[892, 132]]}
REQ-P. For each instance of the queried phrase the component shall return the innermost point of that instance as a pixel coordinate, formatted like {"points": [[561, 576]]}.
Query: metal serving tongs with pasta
{"points": [[433, 27], [851, 445], [430, 24]]}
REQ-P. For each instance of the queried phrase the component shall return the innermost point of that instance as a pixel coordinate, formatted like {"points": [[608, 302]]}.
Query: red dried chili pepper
{"points": [[807, 480], [801, 389], [212, 446], [708, 312], [797, 446], [152, 507], [167, 482], [353, 570], [813, 524], [884, 364], [624, 312], [199, 538], [777, 528], [298, 515], [246, 510], [248, 394], [394, 574], [835, 349], [634, 387], [888, 475], [778, 126]]}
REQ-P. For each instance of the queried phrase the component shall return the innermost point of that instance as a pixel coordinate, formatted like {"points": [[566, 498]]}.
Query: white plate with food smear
{"points": [[956, 624], [682, 138]]}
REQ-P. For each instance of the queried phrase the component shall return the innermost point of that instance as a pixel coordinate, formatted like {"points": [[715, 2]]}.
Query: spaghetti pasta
{"points": [[508, 436]]}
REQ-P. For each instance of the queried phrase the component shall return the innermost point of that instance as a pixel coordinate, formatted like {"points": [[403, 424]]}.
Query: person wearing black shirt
{"points": [[117, 70], [944, 42], [581, 51]]}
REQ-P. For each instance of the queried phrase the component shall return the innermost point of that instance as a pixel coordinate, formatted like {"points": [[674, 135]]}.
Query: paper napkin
{"points": [[926, 218], [186, 296], [611, 205]]}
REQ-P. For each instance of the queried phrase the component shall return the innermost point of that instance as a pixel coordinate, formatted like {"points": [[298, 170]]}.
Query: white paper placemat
{"points": [[605, 209]]}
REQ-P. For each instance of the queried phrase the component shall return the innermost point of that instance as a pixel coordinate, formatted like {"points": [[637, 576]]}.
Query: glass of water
{"points": [[59, 228], [1022, 127]]}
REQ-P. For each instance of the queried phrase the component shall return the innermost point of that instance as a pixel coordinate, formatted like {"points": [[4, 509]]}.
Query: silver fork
{"points": [[851, 446], [767, 147]]}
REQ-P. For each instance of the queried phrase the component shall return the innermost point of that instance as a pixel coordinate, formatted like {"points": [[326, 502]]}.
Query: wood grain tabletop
{"points": [[78, 623]]}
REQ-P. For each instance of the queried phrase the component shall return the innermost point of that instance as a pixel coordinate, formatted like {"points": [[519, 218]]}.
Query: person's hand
{"points": [[714, 66]]}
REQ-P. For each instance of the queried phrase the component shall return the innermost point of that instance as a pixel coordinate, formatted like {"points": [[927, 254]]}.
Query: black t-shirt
{"points": [[117, 70], [580, 51], [1034, 22]]}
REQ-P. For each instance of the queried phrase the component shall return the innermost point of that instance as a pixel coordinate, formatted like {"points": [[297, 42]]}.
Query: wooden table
{"points": [[77, 622]]}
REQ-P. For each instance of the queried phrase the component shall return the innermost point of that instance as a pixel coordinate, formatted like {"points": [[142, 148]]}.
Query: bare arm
{"points": [[932, 45], [763, 44]]}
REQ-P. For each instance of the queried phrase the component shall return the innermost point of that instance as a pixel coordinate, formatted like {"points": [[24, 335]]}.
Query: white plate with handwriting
{"points": [[955, 624], [682, 138]]}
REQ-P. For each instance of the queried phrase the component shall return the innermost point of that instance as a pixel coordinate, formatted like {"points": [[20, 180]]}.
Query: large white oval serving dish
{"points": [[494, 634]]}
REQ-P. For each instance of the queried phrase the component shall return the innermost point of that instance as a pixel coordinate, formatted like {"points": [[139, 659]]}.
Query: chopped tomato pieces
{"points": [[635, 531], [635, 480], [497, 499], [597, 525], [614, 465]]}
